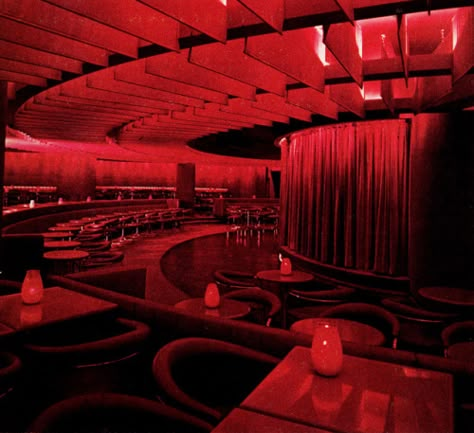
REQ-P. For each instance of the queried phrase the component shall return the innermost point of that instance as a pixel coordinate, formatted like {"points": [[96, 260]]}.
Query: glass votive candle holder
{"points": [[32, 287], [326, 349], [286, 267], [212, 297]]}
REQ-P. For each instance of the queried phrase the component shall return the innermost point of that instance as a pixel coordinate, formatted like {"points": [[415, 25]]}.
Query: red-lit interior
{"points": [[264, 49]]}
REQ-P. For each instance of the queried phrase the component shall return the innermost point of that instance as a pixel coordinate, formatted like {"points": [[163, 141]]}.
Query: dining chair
{"points": [[420, 328], [370, 314], [114, 412], [95, 246], [304, 304], [228, 279], [89, 237], [264, 305], [102, 258], [99, 353], [208, 377], [10, 367], [458, 340]]}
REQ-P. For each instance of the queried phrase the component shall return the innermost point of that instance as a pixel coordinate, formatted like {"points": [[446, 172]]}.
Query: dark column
{"points": [[185, 183], [75, 176], [441, 203], [3, 133]]}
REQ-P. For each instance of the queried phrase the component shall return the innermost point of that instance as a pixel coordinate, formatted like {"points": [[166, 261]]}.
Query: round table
{"points": [[349, 330], [228, 308], [65, 261], [59, 245], [64, 228], [455, 298], [285, 283]]}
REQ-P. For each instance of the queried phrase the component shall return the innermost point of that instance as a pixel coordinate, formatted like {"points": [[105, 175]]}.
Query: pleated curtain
{"points": [[344, 195]]}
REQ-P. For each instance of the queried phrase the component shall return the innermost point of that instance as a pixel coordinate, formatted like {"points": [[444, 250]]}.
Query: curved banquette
{"points": [[173, 323], [21, 219], [22, 242], [168, 323]]}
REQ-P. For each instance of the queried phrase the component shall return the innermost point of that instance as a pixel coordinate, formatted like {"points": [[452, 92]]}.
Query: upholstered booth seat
{"points": [[420, 328], [90, 236], [208, 377], [96, 246], [103, 258], [305, 304], [458, 340], [97, 355], [369, 314], [10, 367], [114, 412], [7, 287], [264, 304], [172, 323], [95, 343], [21, 252], [228, 279], [130, 280]]}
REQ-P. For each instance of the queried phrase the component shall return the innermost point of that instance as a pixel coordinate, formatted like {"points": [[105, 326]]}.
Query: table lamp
{"points": [[326, 349], [32, 287], [211, 296]]}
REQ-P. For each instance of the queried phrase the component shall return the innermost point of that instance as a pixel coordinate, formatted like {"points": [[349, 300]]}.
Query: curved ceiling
{"points": [[201, 71]]}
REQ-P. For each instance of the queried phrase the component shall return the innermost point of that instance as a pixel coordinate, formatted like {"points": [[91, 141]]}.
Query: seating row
{"points": [[169, 325]]}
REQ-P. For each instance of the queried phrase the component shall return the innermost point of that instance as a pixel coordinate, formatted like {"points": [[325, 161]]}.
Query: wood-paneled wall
{"points": [[76, 175]]}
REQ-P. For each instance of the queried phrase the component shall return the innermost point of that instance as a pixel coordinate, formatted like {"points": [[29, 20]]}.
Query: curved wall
{"points": [[440, 206], [344, 196], [441, 229], [77, 173]]}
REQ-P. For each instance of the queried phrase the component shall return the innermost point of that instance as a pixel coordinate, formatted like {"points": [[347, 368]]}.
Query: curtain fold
{"points": [[344, 195]]}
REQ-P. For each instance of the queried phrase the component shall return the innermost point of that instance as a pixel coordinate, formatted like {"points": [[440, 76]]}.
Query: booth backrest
{"points": [[19, 253], [173, 323], [129, 280]]}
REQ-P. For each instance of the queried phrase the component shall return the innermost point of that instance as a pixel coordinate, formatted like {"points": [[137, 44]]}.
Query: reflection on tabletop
{"points": [[367, 396]]}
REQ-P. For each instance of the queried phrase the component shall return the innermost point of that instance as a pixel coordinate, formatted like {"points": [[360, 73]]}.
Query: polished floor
{"points": [[180, 262]]}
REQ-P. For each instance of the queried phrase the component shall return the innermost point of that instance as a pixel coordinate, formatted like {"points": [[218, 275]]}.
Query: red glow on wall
{"points": [[426, 32], [372, 90]]}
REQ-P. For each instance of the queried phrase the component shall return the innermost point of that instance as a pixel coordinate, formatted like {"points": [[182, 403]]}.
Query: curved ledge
{"points": [[335, 275], [22, 219]]}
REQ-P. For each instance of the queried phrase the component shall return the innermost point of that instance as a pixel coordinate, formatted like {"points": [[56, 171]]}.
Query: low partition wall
{"points": [[38, 219], [169, 323], [368, 284]]}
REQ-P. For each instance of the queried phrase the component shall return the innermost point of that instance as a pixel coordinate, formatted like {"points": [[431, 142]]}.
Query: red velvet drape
{"points": [[344, 195]]}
